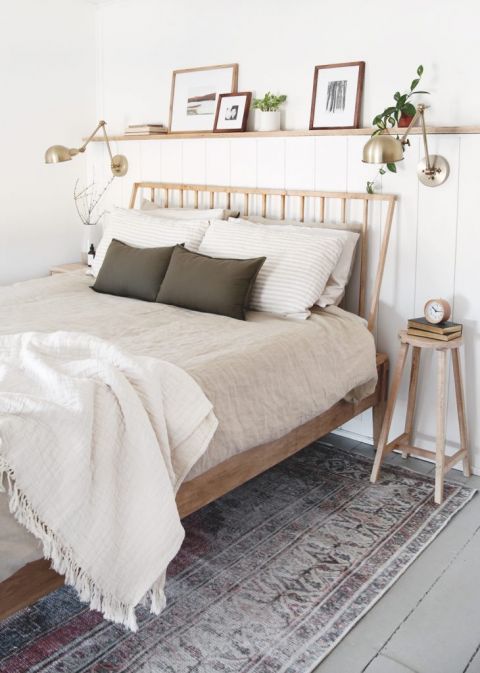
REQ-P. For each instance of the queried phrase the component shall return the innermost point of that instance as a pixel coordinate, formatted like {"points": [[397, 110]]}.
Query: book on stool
{"points": [[442, 331]]}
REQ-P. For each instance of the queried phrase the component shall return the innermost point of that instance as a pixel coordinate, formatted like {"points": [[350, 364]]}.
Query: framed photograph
{"points": [[337, 96], [232, 112], [195, 91]]}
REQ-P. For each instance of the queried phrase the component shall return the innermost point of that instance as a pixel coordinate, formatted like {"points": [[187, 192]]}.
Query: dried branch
{"points": [[84, 192], [76, 200], [99, 217], [96, 201], [87, 200]]}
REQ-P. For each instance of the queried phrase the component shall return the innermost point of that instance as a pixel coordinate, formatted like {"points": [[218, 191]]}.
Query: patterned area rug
{"points": [[269, 580]]}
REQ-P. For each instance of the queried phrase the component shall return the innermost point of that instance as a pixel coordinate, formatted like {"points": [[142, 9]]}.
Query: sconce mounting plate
{"points": [[119, 165], [439, 171]]}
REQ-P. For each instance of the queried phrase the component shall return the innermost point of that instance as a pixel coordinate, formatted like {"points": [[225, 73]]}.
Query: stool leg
{"points": [[441, 412], [462, 417], [387, 421], [412, 396]]}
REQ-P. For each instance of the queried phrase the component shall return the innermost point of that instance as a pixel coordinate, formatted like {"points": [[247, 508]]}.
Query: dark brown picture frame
{"points": [[246, 110], [358, 100]]}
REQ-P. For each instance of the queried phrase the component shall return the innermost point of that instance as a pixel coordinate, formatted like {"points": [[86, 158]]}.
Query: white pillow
{"points": [[335, 288], [295, 272], [144, 231], [187, 213]]}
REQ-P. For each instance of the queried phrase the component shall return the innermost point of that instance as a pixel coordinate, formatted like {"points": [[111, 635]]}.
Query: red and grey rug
{"points": [[269, 580]]}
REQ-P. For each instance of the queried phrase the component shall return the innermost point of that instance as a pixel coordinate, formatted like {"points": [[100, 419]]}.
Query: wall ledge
{"points": [[290, 134]]}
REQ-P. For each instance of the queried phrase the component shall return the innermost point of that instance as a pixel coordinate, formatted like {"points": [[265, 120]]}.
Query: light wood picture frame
{"points": [[337, 96], [194, 96], [232, 112]]}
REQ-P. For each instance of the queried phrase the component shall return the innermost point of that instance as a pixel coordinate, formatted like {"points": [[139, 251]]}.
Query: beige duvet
{"points": [[264, 376]]}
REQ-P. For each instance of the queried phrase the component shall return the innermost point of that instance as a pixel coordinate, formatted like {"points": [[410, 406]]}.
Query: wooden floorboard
{"points": [[428, 621]]}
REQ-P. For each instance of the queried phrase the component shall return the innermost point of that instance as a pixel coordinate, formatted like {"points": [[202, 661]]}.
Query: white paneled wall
{"points": [[434, 246]]}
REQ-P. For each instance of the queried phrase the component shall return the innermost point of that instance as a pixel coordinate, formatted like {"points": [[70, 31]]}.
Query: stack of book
{"points": [[145, 129], [443, 331]]}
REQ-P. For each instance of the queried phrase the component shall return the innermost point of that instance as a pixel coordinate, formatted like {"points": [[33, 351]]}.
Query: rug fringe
{"points": [[62, 560]]}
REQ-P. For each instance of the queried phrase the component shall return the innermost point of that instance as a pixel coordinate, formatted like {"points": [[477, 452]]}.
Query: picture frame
{"points": [[232, 112], [194, 96], [337, 96]]}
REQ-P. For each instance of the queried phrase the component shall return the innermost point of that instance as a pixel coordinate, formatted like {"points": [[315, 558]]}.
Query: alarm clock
{"points": [[437, 310]]}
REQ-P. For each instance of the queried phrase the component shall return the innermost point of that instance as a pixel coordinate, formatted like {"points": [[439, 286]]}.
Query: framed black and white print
{"points": [[337, 96], [232, 112], [194, 96]]}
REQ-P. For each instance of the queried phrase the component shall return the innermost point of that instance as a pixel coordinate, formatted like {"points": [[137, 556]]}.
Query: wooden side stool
{"points": [[404, 441]]}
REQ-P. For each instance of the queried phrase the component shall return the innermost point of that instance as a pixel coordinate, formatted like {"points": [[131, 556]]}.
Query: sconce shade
{"points": [[382, 149], [56, 154]]}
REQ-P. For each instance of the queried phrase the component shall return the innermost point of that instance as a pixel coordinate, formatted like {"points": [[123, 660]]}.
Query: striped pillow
{"points": [[188, 213], [296, 270], [335, 288], [144, 231]]}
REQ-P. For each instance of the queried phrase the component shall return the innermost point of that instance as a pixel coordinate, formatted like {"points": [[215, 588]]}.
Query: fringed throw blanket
{"points": [[93, 446]]}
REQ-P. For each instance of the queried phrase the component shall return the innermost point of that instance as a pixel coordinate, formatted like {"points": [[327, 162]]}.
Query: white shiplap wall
{"points": [[434, 246]]}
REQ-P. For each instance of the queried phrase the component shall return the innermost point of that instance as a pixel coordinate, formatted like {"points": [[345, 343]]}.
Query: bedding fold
{"points": [[94, 444]]}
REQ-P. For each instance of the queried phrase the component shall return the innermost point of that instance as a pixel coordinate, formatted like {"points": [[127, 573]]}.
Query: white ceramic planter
{"points": [[269, 121]]}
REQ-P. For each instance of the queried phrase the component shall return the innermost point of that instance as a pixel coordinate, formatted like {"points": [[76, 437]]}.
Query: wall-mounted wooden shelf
{"points": [[289, 134]]}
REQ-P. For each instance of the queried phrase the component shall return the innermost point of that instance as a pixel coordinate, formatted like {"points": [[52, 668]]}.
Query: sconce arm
{"points": [[101, 125], [419, 113]]}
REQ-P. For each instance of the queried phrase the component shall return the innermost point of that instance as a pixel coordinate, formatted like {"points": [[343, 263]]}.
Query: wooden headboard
{"points": [[217, 196]]}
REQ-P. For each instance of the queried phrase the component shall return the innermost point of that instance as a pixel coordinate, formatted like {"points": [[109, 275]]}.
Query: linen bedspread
{"points": [[263, 376], [86, 438]]}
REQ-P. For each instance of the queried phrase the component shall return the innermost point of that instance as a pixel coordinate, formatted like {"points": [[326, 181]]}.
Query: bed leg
{"points": [[378, 410]]}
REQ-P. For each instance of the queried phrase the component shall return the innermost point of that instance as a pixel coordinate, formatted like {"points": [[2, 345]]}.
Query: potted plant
{"points": [[269, 112], [400, 114]]}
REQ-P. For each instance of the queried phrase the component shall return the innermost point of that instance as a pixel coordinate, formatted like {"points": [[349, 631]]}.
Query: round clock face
{"points": [[437, 310]]}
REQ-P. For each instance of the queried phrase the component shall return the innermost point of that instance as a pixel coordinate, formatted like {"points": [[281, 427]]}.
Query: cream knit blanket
{"points": [[94, 444]]}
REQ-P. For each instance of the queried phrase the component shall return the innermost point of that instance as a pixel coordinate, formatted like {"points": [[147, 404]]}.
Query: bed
{"points": [[317, 372]]}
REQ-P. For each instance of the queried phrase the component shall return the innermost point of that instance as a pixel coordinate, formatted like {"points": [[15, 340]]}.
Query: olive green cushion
{"points": [[133, 272], [209, 284]]}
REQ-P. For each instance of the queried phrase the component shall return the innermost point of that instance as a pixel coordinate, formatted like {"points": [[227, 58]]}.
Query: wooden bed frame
{"points": [[37, 579]]}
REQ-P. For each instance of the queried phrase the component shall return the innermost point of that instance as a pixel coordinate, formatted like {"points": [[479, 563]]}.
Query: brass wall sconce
{"points": [[432, 170], [58, 153]]}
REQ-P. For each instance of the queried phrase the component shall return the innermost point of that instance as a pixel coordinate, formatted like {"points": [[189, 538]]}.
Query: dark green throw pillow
{"points": [[131, 272], [209, 284]]}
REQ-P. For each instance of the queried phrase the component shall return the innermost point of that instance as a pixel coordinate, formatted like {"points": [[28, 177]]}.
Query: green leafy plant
{"points": [[391, 115], [381, 171], [390, 118], [269, 103]]}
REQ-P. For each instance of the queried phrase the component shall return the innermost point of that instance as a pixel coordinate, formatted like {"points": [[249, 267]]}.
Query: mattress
{"points": [[264, 376]]}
